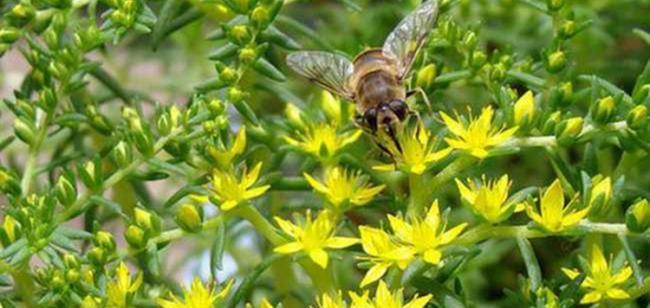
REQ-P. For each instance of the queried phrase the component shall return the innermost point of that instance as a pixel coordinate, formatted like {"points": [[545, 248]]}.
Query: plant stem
{"points": [[30, 164], [417, 196], [261, 224]]}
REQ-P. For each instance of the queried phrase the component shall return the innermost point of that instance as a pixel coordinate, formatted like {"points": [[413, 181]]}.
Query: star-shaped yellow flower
{"points": [[224, 156], [230, 191], [383, 252], [384, 298], [602, 281], [120, 290], [554, 216], [425, 237], [313, 237], [478, 136], [416, 152], [341, 186], [198, 296], [323, 140], [488, 200]]}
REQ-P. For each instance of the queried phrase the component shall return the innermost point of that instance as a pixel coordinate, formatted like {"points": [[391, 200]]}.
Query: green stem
{"points": [[30, 165], [177, 233], [418, 196], [549, 141], [261, 224], [638, 274]]}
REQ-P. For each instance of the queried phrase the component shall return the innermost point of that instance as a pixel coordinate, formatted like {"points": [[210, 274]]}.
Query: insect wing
{"points": [[410, 34], [326, 69]]}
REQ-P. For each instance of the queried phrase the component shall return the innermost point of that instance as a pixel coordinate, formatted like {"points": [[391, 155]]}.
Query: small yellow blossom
{"points": [[554, 216], [426, 237], [341, 186], [383, 252], [416, 152], [313, 237], [330, 301], [231, 191], [488, 200], [198, 296], [384, 298], [10, 226], [477, 137], [223, 156], [323, 140], [119, 290], [524, 109], [602, 281]]}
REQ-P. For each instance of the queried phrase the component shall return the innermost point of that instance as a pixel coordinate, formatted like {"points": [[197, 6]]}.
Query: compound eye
{"points": [[370, 117], [399, 108]]}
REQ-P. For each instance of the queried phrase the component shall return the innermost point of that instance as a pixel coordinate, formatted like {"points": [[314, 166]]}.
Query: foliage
{"points": [[219, 180]]}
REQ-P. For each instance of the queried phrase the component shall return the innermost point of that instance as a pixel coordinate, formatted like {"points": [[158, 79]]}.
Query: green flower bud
{"points": [[551, 122], [554, 5], [228, 74], [122, 154], [240, 34], [66, 191], [470, 40], [97, 256], [260, 16], [425, 76], [555, 61], [567, 29], [189, 218], [105, 240], [90, 174], [637, 216], [247, 55], [210, 127], [603, 110], [9, 35], [216, 107], [641, 94], [294, 116], [600, 195], [24, 130], [9, 182], [149, 222], [568, 130], [70, 261], [478, 60], [135, 237], [235, 95], [72, 275], [221, 122], [58, 280], [637, 118], [498, 72], [524, 109], [21, 14]]}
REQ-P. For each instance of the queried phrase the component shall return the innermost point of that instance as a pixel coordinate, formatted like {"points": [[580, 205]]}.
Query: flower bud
{"points": [[66, 191], [8, 182], [568, 130], [567, 29], [58, 279], [600, 195], [210, 127], [149, 222], [554, 5], [637, 216], [235, 95], [11, 229], [97, 256], [469, 40], [294, 116], [90, 174], [260, 16], [90, 302], [70, 261], [189, 218], [551, 123], [240, 34], [227, 74], [105, 240], [637, 118], [524, 109], [425, 76], [331, 106], [498, 72], [555, 61], [247, 55], [122, 154], [134, 236], [603, 110], [478, 60], [9, 35], [24, 130], [216, 107], [21, 14], [641, 94]]}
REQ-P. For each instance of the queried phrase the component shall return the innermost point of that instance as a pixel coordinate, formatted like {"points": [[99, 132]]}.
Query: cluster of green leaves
{"points": [[97, 171]]}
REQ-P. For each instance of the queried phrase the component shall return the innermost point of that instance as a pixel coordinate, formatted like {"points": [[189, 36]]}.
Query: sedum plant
{"points": [[158, 154]]}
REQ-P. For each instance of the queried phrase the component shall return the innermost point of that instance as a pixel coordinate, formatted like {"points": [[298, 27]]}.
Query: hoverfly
{"points": [[374, 80]]}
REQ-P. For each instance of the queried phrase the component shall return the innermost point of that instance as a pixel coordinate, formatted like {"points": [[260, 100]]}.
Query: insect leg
{"points": [[419, 90]]}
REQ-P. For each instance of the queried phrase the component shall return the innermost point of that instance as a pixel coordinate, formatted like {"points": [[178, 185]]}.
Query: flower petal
{"points": [[374, 273], [339, 242], [591, 297], [432, 256], [289, 248], [319, 256], [617, 293]]}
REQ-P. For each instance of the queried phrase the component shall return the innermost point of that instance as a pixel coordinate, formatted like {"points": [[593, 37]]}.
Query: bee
{"points": [[374, 80]]}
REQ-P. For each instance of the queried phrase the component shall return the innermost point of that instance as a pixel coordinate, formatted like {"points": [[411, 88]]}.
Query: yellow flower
{"points": [[384, 298], [488, 200], [198, 296], [231, 191], [313, 237], [118, 291], [342, 186], [417, 151], [524, 109], [477, 137], [554, 216], [426, 237], [329, 301], [323, 141], [602, 282], [383, 252], [223, 156]]}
